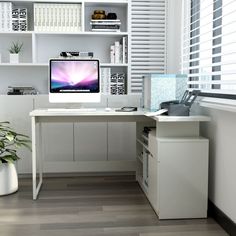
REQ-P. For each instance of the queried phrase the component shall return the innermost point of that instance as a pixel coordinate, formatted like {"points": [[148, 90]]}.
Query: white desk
{"points": [[171, 145], [44, 116]]}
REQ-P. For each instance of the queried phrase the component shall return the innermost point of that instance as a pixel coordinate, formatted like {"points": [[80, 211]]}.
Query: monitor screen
{"points": [[74, 80]]}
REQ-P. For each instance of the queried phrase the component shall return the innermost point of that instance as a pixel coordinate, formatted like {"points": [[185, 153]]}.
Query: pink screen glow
{"points": [[74, 76]]}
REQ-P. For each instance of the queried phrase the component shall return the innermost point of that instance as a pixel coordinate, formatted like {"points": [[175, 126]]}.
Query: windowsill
{"points": [[218, 103]]}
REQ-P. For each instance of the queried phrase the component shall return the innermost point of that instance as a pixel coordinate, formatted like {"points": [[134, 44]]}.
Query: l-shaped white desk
{"points": [[166, 127]]}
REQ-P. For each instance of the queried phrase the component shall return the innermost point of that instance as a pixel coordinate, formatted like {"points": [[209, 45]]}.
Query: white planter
{"points": [[8, 179], [14, 58]]}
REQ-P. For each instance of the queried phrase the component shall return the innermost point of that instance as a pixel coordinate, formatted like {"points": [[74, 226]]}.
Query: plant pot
{"points": [[14, 58], [8, 179]]}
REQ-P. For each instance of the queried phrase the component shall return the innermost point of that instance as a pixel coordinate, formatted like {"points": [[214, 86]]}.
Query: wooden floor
{"points": [[89, 206]]}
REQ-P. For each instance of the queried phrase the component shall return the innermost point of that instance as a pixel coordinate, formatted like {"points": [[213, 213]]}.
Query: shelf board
{"points": [[144, 137], [46, 64], [140, 158], [114, 2], [113, 65], [23, 64], [86, 33], [16, 32], [143, 144]]}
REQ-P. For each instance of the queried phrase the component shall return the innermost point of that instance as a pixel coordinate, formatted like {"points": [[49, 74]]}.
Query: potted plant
{"points": [[14, 52], [10, 141]]}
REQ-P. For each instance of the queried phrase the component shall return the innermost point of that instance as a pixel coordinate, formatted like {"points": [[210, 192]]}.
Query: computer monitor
{"points": [[74, 81]]}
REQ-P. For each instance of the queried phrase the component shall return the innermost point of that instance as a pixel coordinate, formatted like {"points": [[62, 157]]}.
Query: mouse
{"points": [[107, 109]]}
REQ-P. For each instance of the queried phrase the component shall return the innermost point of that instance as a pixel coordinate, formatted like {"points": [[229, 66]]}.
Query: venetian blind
{"points": [[148, 40], [209, 45]]}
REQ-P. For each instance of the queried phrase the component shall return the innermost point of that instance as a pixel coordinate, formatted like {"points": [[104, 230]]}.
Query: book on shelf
{"points": [[113, 84], [119, 51], [105, 22], [106, 30], [112, 27], [57, 17], [124, 49], [5, 16], [105, 80], [117, 84], [12, 19], [105, 25]]}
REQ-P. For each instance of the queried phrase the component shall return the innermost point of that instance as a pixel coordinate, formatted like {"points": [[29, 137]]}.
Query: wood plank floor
{"points": [[89, 206]]}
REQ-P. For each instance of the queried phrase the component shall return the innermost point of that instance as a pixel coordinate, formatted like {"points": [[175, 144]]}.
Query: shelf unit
{"points": [[39, 47], [172, 166]]}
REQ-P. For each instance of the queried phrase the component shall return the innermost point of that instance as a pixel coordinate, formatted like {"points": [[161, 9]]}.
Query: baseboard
{"points": [[78, 174], [222, 219]]}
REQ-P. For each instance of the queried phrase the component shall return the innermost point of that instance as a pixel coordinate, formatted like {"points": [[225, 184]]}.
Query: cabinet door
{"points": [[153, 181], [183, 177], [16, 109], [90, 141], [121, 141]]}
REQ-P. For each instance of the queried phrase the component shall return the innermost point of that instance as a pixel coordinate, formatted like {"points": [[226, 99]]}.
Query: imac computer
{"points": [[74, 81]]}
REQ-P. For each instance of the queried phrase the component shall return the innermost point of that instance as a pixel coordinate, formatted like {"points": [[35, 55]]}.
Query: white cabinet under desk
{"points": [[177, 167]]}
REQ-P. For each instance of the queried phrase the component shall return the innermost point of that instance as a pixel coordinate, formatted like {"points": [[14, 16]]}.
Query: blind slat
{"points": [[209, 42]]}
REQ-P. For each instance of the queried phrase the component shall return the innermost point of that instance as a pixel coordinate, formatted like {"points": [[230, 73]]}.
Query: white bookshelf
{"points": [[40, 46]]}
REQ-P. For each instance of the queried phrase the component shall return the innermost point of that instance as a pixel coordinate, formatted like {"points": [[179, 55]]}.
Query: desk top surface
{"points": [[83, 112], [102, 112]]}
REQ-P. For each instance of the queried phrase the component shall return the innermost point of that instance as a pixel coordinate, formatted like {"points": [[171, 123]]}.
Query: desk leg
{"points": [[36, 188]]}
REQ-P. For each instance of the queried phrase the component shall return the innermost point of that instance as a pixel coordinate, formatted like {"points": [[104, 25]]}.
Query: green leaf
{"points": [[10, 137], [23, 135], [8, 159], [2, 145]]}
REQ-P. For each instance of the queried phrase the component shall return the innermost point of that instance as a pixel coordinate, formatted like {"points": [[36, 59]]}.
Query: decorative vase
{"points": [[14, 58], [8, 179]]}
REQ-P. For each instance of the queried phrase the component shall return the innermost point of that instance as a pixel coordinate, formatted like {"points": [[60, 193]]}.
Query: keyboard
{"points": [[66, 110]]}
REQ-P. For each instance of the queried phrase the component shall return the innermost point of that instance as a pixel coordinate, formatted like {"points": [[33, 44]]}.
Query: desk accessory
{"points": [[21, 90], [77, 54], [127, 109], [181, 107]]}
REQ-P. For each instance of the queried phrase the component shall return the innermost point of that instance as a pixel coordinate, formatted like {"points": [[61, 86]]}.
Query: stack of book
{"points": [[113, 84], [19, 19], [117, 84], [119, 51], [12, 19], [57, 17], [105, 25]]}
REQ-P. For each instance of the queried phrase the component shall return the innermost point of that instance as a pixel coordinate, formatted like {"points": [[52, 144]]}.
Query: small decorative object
{"points": [[14, 52], [99, 15], [111, 16], [10, 141]]}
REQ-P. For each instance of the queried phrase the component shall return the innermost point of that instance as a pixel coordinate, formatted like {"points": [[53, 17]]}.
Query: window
{"points": [[209, 45]]}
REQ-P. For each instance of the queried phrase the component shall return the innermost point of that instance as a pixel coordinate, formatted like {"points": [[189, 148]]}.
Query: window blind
{"points": [[148, 40], [209, 45]]}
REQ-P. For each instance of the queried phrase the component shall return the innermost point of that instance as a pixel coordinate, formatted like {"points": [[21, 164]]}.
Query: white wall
{"points": [[221, 132]]}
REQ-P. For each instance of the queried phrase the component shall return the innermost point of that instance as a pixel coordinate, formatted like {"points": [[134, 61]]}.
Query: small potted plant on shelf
{"points": [[14, 52], [10, 141]]}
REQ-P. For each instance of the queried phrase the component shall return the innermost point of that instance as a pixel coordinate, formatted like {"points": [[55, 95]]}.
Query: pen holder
{"points": [[178, 110]]}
